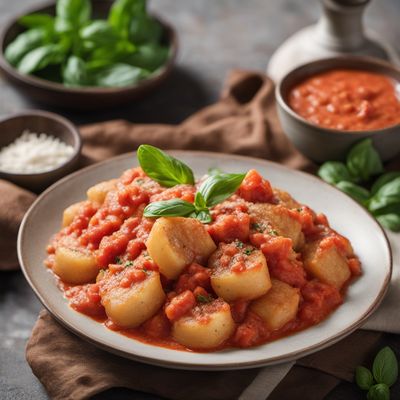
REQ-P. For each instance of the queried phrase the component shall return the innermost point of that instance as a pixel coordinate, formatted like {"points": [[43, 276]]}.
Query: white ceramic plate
{"points": [[345, 215]]}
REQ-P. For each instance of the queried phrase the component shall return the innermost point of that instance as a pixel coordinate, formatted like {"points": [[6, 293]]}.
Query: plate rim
{"points": [[215, 366]]}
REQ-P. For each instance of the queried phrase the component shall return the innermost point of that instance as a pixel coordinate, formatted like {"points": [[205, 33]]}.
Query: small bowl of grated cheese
{"points": [[37, 148]]}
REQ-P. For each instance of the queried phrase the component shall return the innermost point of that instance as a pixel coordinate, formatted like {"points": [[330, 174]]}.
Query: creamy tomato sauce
{"points": [[350, 100], [258, 226]]}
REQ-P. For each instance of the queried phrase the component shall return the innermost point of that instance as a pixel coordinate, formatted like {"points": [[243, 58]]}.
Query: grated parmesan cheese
{"points": [[34, 153]]}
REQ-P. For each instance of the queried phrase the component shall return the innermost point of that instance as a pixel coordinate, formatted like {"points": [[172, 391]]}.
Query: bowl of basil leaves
{"points": [[83, 54]]}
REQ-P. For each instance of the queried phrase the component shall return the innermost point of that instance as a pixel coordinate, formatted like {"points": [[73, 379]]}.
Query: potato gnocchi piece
{"points": [[70, 213], [129, 307], [278, 306], [239, 272], [286, 199], [75, 266], [98, 192], [277, 218], [326, 264], [176, 242], [206, 327]]}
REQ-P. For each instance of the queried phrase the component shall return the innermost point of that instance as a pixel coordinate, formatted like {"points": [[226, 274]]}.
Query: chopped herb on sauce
{"points": [[257, 227], [248, 251], [239, 244], [204, 299]]}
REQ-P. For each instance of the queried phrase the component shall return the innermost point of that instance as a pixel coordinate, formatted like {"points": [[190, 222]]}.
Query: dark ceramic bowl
{"points": [[322, 144], [40, 122], [88, 98]]}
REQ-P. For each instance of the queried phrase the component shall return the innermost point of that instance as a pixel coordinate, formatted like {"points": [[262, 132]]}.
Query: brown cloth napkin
{"points": [[243, 121]]}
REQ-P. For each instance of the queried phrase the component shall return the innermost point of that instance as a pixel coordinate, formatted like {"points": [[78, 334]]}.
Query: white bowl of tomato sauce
{"points": [[326, 106]]}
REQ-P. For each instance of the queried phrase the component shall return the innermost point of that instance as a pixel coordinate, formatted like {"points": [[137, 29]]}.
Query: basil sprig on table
{"points": [[168, 171], [73, 49], [382, 197], [384, 374]]}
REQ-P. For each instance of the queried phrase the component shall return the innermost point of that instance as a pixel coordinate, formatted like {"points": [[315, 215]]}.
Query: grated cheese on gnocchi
{"points": [[34, 153]]}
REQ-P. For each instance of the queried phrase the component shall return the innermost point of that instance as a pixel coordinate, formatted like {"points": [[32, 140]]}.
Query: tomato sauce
{"points": [[348, 100], [116, 232]]}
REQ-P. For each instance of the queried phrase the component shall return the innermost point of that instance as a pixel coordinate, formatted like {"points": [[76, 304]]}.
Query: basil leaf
{"points": [[204, 216], [357, 192], [363, 161], [164, 169], [334, 172], [37, 20], [379, 392], [199, 202], [149, 56], [40, 57], [204, 299], [364, 378], [390, 209], [217, 188], [99, 32], [169, 208], [73, 12], [118, 75], [390, 221], [122, 12], [383, 180], [385, 367], [24, 43], [74, 72], [144, 29], [387, 195]]}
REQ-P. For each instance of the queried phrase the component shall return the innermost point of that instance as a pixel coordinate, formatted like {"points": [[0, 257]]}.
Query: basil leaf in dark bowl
{"points": [[119, 75], [41, 57], [24, 43]]}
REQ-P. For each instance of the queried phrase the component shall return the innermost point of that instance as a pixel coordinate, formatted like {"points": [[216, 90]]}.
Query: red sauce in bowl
{"points": [[349, 100]]}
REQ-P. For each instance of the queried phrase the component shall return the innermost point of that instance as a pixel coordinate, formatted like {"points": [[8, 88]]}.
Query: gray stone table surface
{"points": [[215, 36]]}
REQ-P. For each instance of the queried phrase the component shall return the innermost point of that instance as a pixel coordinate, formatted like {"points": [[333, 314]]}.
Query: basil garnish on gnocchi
{"points": [[201, 265]]}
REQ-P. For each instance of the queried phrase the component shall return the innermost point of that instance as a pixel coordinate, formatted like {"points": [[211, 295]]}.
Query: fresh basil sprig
{"points": [[164, 169], [334, 172], [357, 192], [214, 190], [384, 374], [363, 162]]}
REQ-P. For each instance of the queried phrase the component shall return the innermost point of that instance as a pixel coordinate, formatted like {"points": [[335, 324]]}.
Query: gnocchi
{"points": [[278, 306], [174, 243], [207, 327], [245, 275], [129, 307], [326, 264], [75, 265], [98, 192]]}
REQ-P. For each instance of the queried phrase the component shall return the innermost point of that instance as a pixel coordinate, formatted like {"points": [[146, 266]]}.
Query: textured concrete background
{"points": [[215, 36]]}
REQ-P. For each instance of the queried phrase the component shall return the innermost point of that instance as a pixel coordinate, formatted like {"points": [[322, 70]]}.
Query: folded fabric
{"points": [[243, 121]]}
